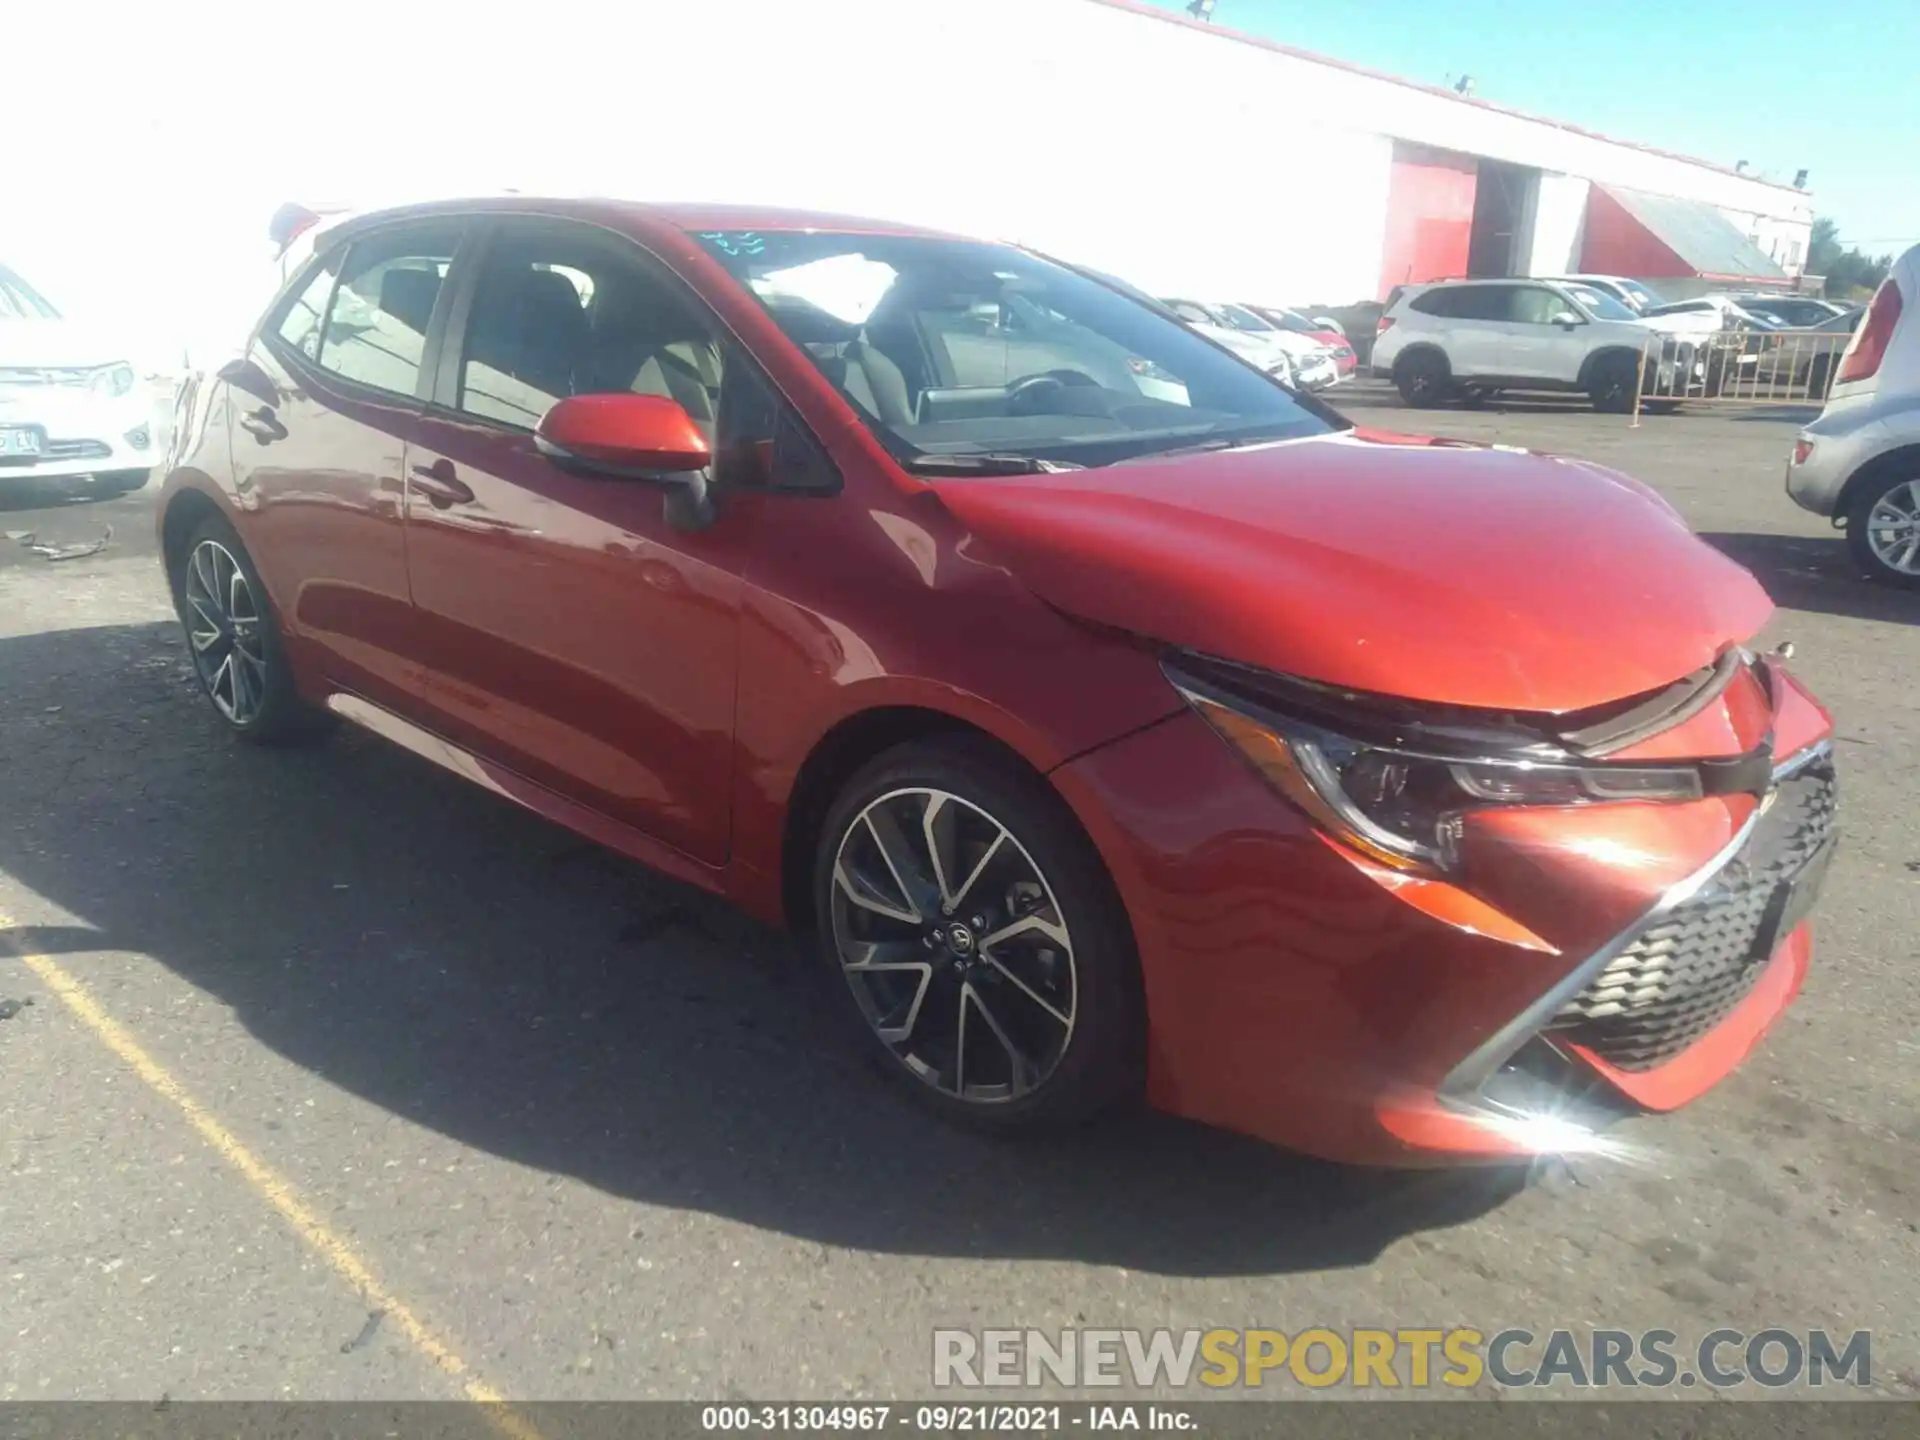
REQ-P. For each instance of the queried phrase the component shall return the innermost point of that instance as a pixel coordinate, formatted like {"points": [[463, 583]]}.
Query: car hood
{"points": [[1432, 570], [57, 344]]}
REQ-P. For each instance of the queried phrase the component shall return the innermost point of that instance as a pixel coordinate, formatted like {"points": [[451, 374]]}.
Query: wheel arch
{"points": [[184, 512], [1902, 458], [1422, 347], [837, 755], [1606, 354]]}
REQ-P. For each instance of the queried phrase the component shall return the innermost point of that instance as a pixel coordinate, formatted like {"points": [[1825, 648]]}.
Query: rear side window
{"points": [[306, 313], [376, 330], [1464, 302]]}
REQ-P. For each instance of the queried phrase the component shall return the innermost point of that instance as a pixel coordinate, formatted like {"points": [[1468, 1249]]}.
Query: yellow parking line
{"points": [[270, 1186]]}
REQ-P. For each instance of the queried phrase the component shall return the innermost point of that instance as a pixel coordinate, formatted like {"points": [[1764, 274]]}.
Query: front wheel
{"points": [[1883, 530], [975, 940], [1610, 386]]}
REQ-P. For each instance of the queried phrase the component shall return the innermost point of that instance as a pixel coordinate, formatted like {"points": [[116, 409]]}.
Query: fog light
{"points": [[1802, 451], [139, 437]]}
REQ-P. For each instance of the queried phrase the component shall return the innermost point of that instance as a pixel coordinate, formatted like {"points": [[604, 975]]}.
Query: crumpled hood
{"points": [[1432, 570], [58, 344]]}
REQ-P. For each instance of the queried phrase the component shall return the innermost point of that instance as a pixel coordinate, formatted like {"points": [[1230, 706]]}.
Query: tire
{"points": [[1890, 551], [1661, 407], [1063, 993], [1422, 378], [231, 630], [1610, 384], [120, 482]]}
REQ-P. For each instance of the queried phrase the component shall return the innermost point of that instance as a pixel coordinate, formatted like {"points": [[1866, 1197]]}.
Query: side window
{"points": [[306, 312], [1531, 305], [558, 312], [376, 332], [1436, 302]]}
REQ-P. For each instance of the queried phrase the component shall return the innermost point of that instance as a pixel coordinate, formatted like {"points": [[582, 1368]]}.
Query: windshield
{"points": [[962, 348], [1600, 305], [1299, 324], [19, 300], [1244, 319], [1642, 296]]}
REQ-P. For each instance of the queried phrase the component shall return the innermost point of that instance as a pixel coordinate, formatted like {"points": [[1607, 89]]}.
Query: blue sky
{"points": [[1782, 84]]}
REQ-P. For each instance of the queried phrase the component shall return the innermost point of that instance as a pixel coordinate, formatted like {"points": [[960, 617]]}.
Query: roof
{"points": [[1140, 7], [1699, 234], [688, 216]]}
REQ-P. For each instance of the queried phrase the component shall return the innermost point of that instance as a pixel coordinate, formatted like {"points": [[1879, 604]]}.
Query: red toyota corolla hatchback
{"points": [[1113, 719]]}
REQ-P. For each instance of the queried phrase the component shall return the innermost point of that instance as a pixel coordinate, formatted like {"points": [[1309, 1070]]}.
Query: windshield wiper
{"points": [[987, 462], [1216, 442]]}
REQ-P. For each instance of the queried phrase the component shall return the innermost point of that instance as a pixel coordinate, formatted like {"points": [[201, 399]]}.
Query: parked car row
{"points": [[1302, 360]]}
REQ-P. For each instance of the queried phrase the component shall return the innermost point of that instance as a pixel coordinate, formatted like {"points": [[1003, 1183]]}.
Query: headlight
{"points": [[113, 379], [1405, 806]]}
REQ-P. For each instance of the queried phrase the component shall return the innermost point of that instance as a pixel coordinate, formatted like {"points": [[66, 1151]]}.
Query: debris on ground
{"points": [[11, 1008], [61, 552], [374, 1317]]}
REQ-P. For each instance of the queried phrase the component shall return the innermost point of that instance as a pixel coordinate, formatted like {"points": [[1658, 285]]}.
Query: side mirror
{"points": [[1566, 319], [640, 437], [634, 437]]}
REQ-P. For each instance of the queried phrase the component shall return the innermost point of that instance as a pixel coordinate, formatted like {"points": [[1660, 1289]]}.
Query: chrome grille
{"points": [[1687, 972], [37, 375], [77, 450]]}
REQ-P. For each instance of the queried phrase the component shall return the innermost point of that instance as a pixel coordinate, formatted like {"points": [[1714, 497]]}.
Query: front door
{"points": [[574, 635], [1544, 346]]}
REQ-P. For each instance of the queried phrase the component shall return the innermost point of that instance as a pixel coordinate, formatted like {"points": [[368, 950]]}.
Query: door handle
{"points": [[263, 425], [440, 485]]}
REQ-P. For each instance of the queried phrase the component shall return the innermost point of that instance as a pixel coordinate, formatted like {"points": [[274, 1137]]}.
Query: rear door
{"points": [[575, 636], [1469, 323], [322, 407]]}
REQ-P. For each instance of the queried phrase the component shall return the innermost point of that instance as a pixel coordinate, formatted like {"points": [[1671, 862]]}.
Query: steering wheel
{"points": [[1026, 393]]}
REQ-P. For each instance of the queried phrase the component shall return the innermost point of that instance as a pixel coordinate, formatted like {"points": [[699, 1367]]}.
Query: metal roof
{"points": [[1699, 234]]}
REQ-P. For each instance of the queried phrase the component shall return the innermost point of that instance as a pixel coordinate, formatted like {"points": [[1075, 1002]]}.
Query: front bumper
{"points": [[77, 432], [1296, 994]]}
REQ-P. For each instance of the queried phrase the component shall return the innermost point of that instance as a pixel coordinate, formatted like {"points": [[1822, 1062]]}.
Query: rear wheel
{"points": [[1610, 386], [1422, 377], [235, 639], [975, 940], [1883, 530]]}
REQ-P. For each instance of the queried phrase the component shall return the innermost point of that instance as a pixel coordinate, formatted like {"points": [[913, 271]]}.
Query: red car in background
{"points": [[1334, 340], [1114, 720]]}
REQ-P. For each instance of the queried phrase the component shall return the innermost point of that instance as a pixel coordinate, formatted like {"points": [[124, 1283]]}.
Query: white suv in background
{"points": [[1474, 338], [1860, 461]]}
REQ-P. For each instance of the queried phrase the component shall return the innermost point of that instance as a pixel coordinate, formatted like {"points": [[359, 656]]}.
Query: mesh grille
{"points": [[1684, 975]]}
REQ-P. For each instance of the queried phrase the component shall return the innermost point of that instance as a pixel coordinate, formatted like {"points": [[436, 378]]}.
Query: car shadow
{"points": [[1816, 575], [460, 963]]}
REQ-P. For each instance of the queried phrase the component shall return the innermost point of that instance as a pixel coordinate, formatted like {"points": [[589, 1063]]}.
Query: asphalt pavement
{"points": [[329, 1076]]}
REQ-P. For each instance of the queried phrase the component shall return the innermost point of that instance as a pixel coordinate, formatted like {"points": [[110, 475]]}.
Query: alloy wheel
{"points": [[226, 630], [954, 945], [1893, 529]]}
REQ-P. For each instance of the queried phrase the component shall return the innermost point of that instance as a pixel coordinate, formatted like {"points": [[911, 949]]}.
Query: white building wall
{"points": [[1555, 227]]}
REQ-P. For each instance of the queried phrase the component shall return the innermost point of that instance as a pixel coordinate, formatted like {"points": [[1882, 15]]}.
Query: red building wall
{"points": [[1618, 244], [1429, 216]]}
